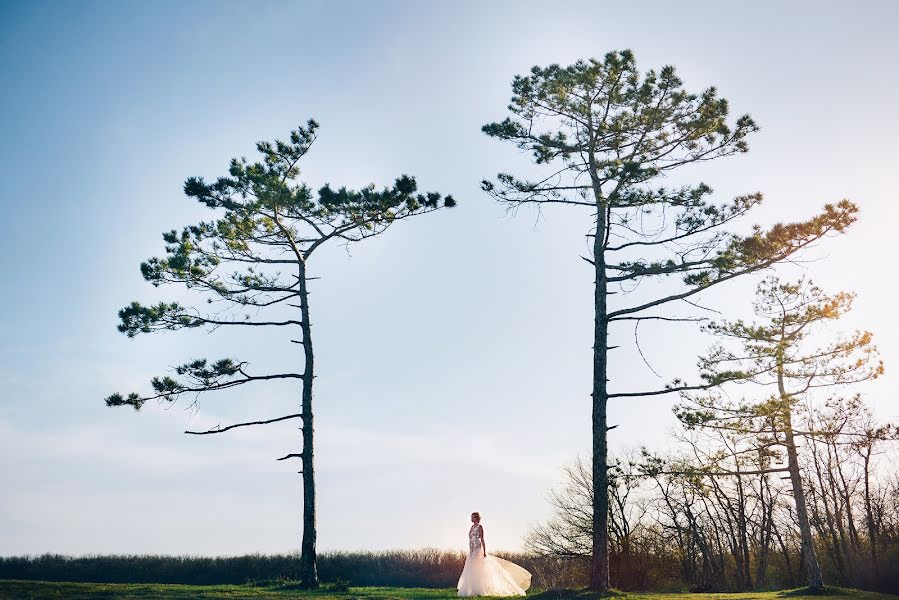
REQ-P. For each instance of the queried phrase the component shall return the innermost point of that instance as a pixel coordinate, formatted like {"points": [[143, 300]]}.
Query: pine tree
{"points": [[780, 352], [605, 135], [254, 257]]}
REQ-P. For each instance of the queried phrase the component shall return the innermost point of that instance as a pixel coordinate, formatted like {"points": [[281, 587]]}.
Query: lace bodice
{"points": [[474, 539]]}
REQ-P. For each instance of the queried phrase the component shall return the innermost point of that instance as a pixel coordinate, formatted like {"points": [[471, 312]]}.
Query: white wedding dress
{"points": [[490, 575]]}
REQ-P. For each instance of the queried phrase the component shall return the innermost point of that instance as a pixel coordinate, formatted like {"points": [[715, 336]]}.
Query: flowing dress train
{"points": [[490, 575]]}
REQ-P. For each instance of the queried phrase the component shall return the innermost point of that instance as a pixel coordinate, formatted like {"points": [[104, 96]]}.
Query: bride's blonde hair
{"points": [[477, 516]]}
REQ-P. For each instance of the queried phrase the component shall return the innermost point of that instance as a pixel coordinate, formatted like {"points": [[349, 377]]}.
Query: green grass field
{"points": [[39, 590]]}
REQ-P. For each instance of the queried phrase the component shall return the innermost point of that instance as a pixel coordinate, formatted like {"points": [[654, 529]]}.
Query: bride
{"points": [[489, 575]]}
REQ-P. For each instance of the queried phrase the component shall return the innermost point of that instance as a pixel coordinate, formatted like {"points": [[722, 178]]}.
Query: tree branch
{"points": [[217, 429], [300, 455]]}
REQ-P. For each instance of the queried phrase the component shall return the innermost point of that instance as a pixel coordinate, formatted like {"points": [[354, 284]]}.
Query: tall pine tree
{"points": [[254, 257], [605, 135]]}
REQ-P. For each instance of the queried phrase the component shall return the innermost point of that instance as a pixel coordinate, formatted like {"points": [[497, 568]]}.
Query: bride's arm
{"points": [[483, 543]]}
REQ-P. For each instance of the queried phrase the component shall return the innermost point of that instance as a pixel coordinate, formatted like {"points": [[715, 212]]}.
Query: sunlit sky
{"points": [[454, 352]]}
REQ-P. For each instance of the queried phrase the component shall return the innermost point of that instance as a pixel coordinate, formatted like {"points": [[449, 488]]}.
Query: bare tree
{"points": [[867, 445]]}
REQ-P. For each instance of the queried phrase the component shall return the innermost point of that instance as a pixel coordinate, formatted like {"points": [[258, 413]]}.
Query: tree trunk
{"points": [[599, 568], [846, 578], [787, 562], [708, 575], [836, 549], [869, 514], [765, 530], [847, 502], [815, 579], [744, 573], [308, 561]]}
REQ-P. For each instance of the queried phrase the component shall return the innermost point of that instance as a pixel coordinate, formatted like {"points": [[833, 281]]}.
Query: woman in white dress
{"points": [[485, 575]]}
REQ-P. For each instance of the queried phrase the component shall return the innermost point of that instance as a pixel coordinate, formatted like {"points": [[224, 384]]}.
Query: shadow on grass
{"points": [[808, 591], [586, 594], [581, 594]]}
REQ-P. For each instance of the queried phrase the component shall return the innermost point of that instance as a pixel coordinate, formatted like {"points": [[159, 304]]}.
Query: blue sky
{"points": [[454, 352]]}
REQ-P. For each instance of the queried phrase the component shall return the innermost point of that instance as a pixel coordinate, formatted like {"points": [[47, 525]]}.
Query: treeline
{"points": [[430, 568], [714, 515]]}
